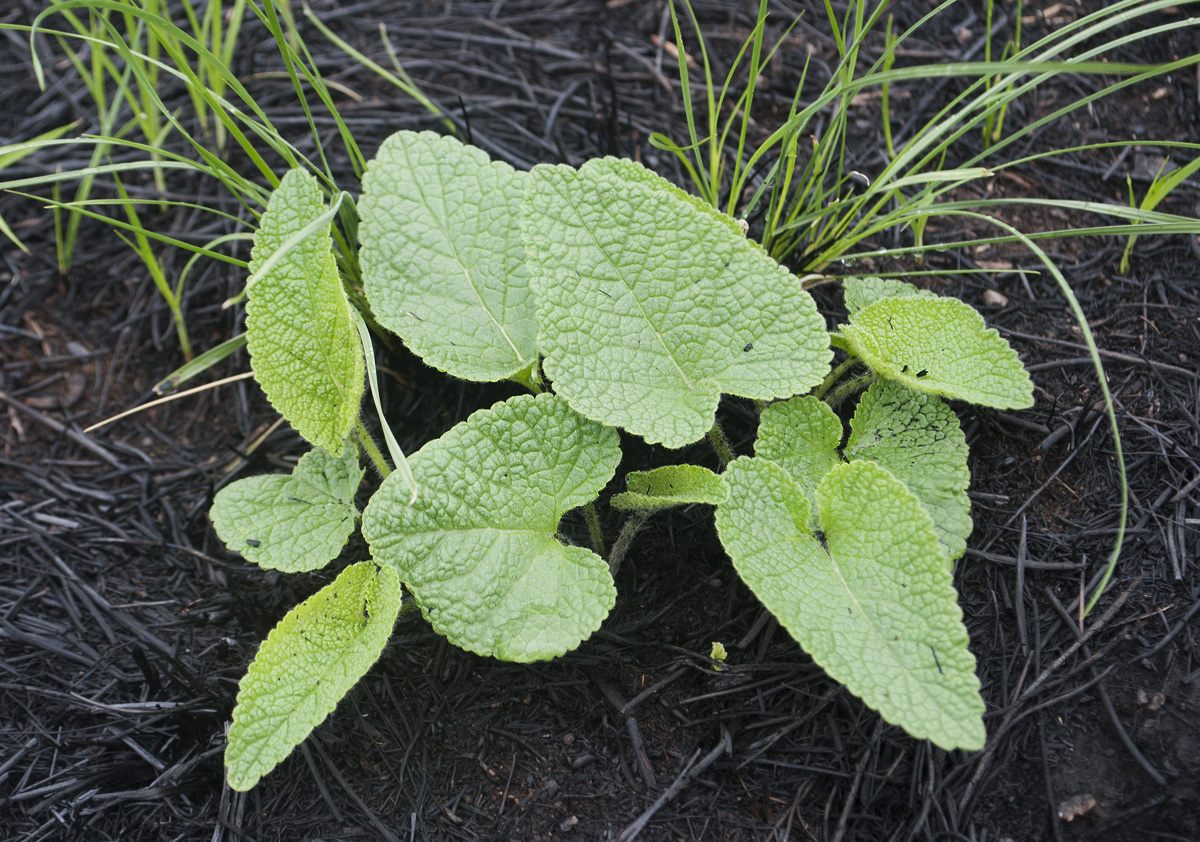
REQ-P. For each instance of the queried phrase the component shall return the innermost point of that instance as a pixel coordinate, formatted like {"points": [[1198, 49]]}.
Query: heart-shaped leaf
{"points": [[870, 599], [651, 304], [479, 549], [296, 522]]}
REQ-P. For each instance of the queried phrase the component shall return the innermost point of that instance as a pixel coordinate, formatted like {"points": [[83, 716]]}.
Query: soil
{"points": [[125, 625]]}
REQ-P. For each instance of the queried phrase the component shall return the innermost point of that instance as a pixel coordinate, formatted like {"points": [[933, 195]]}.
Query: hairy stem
{"points": [[835, 375], [850, 387], [620, 548], [368, 443], [593, 522], [716, 437]]}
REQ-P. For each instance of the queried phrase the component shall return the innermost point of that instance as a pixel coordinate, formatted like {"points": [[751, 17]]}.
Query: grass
{"points": [[125, 50]]}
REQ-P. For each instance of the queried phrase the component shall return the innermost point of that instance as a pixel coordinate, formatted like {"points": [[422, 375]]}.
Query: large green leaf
{"points": [[939, 346], [871, 599], [479, 550], [442, 260], [296, 522], [669, 486], [917, 437], [651, 304], [303, 346], [306, 665]]}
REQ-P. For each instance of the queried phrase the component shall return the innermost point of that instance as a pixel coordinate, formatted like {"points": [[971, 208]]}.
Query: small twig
{"points": [[62, 429], [1019, 596], [989, 752], [844, 819], [689, 773], [1128, 742]]}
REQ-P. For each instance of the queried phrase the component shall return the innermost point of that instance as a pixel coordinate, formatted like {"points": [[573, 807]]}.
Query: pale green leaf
{"points": [[303, 346], [296, 522], [939, 346], [871, 599], [478, 549], [917, 437], [442, 260], [306, 665], [668, 486], [863, 292], [651, 304], [802, 436]]}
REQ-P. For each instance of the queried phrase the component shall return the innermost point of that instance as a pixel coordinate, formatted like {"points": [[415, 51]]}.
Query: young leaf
{"points": [[292, 523], [303, 347], [942, 347], [442, 260], [863, 292], [802, 436], [651, 304], [871, 600], [918, 439], [306, 665], [478, 549], [671, 485]]}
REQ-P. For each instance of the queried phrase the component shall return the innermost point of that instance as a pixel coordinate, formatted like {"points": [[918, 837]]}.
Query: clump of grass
{"points": [[124, 51]]}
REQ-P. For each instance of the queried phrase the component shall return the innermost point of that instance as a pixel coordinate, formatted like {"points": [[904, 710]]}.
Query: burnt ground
{"points": [[125, 626]]}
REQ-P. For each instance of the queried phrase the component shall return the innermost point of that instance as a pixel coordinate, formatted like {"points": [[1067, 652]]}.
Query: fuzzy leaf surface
{"points": [[479, 550], [442, 261], [651, 304], [802, 436], [292, 523], [303, 345], [863, 292], [871, 600], [668, 486], [917, 437], [308, 662], [940, 346]]}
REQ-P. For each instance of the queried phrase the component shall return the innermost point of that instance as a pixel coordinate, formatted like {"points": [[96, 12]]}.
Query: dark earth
{"points": [[125, 625]]}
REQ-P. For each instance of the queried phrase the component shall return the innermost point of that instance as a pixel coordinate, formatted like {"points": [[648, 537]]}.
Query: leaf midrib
{"points": [[628, 288], [443, 229]]}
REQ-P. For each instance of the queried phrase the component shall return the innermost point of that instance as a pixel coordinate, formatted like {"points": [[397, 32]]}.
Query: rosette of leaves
{"points": [[643, 306]]}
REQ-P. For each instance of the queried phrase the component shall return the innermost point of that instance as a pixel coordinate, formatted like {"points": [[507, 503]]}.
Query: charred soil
{"points": [[125, 625]]}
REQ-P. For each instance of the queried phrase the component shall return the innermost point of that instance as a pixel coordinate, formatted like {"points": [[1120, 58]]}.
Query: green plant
{"points": [[641, 305], [13, 153], [1161, 186]]}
